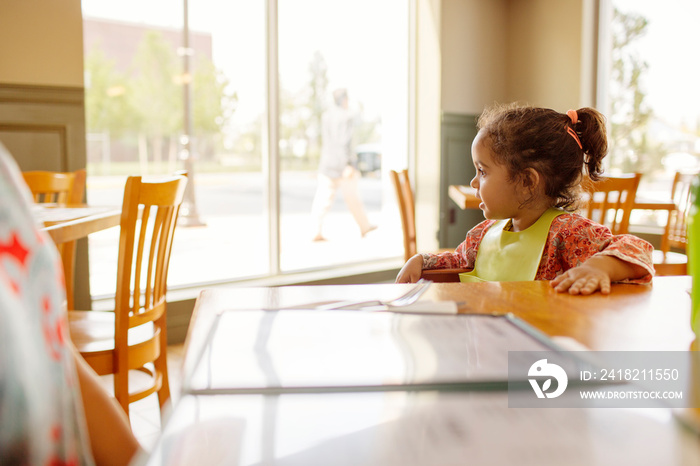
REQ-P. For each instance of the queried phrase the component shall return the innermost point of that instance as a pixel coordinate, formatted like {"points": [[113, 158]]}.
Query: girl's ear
{"points": [[530, 183], [531, 178]]}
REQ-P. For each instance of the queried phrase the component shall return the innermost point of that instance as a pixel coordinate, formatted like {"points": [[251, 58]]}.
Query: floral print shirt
{"points": [[41, 413], [572, 240]]}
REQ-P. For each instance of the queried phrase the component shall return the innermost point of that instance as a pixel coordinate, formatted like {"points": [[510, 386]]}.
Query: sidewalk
{"points": [[237, 247]]}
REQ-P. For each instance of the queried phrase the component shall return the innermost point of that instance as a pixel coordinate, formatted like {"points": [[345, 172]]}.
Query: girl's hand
{"points": [[596, 274], [411, 270], [583, 279]]}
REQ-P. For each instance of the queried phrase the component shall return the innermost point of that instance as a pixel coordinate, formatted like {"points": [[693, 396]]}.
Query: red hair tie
{"points": [[574, 119]]}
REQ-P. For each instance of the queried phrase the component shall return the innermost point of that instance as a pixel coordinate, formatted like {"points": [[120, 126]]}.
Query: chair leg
{"points": [[67, 251], [161, 365], [121, 390]]}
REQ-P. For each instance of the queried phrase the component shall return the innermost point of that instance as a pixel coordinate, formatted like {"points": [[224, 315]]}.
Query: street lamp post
{"points": [[188, 211]]}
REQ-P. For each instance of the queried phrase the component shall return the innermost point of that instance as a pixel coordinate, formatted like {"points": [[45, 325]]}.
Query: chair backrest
{"points": [[611, 199], [60, 188], [149, 216], [56, 187], [675, 233], [404, 196]]}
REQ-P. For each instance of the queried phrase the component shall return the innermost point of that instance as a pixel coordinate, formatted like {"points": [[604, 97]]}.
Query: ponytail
{"points": [[593, 136]]}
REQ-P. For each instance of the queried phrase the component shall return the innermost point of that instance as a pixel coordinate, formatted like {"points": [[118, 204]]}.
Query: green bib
{"points": [[509, 256]]}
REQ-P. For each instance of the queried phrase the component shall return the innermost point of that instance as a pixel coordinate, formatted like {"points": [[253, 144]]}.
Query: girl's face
{"points": [[499, 196]]}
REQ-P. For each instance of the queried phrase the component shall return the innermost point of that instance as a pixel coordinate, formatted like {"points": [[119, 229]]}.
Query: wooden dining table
{"points": [[632, 317], [66, 223], [430, 427], [463, 196]]}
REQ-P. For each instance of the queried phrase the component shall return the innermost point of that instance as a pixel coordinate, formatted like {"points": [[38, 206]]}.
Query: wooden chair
{"points": [[60, 188], [404, 196], [133, 337], [666, 260], [611, 199]]}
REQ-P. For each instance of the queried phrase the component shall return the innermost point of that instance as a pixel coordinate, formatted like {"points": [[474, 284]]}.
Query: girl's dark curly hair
{"points": [[525, 137]]}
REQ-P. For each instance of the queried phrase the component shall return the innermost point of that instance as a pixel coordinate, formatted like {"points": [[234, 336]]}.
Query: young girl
{"points": [[529, 166]]}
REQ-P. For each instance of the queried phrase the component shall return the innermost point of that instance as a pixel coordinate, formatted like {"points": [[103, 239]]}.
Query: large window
{"points": [[650, 92], [240, 101]]}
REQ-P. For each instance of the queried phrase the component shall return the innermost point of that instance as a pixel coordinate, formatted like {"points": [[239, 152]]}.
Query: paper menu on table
{"points": [[309, 350]]}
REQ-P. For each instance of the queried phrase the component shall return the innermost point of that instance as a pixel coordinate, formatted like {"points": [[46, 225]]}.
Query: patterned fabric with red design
{"points": [[41, 418]]}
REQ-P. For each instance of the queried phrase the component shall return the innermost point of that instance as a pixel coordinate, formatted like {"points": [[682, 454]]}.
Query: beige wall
{"points": [[512, 50], [42, 42], [474, 46], [544, 52]]}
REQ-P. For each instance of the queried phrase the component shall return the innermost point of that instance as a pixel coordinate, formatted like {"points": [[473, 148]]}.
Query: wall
{"points": [[474, 47], [42, 42], [512, 50], [544, 53], [42, 116]]}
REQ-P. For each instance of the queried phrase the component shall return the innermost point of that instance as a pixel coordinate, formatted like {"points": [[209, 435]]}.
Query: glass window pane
{"points": [[332, 214], [136, 102], [651, 94], [135, 99]]}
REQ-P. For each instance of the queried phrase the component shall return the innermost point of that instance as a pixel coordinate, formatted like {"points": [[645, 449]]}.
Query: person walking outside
{"points": [[337, 168]]}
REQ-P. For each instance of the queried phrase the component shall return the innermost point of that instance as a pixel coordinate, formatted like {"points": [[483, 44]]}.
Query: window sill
{"points": [[383, 271]]}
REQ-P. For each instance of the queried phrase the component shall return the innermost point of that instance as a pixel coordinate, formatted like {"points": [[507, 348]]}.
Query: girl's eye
{"points": [[481, 171]]}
